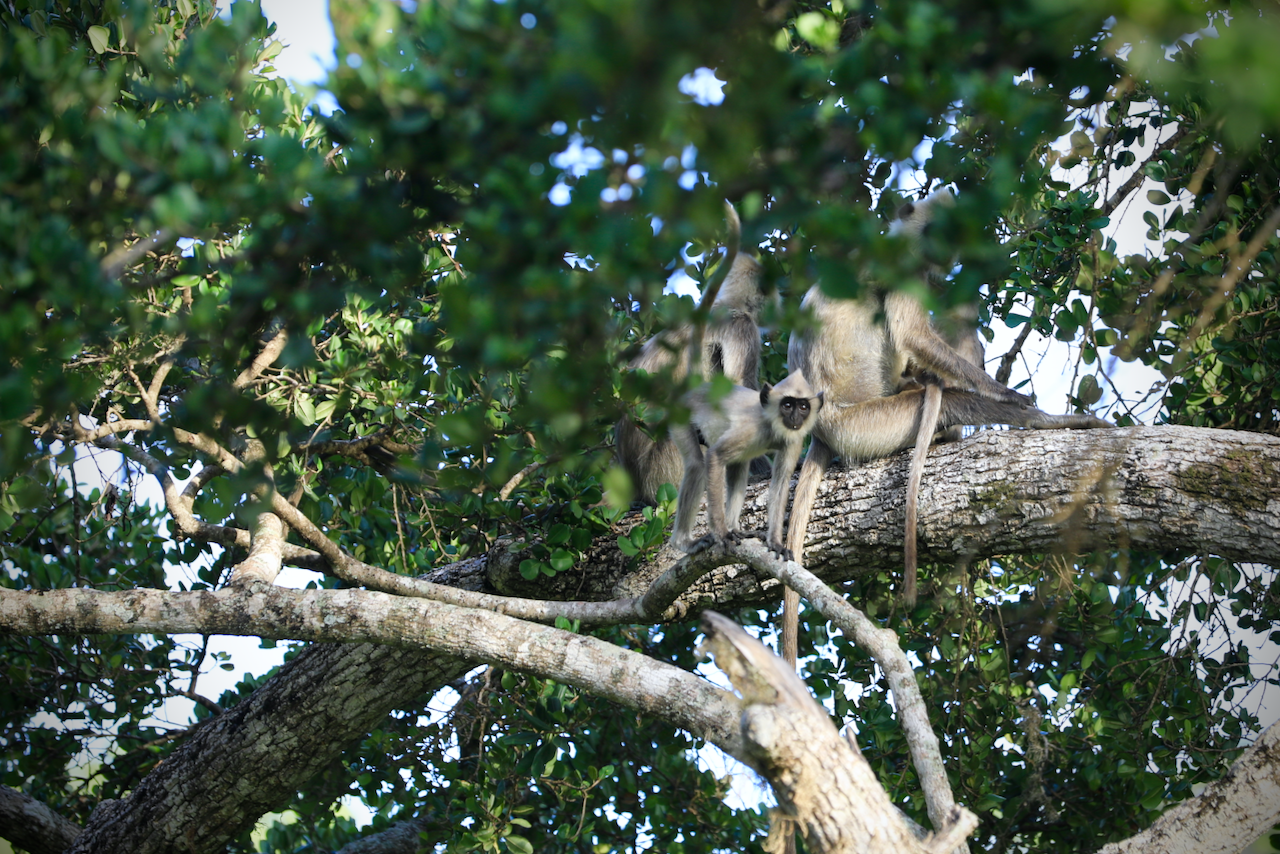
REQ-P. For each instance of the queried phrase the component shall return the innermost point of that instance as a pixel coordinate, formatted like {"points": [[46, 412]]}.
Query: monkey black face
{"points": [[794, 412]]}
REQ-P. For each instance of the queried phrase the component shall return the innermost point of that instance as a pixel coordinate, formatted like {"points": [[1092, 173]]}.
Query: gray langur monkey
{"points": [[730, 345], [959, 329], [737, 428], [858, 355]]}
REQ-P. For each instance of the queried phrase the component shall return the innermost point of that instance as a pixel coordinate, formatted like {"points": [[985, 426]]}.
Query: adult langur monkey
{"points": [[857, 354], [730, 308], [737, 427], [959, 329]]}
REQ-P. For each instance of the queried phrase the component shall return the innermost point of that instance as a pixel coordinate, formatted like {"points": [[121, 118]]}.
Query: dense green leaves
{"points": [[447, 275]]}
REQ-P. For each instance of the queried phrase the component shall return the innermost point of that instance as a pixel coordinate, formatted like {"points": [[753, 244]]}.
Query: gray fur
{"points": [[858, 355], [730, 346], [737, 428]]}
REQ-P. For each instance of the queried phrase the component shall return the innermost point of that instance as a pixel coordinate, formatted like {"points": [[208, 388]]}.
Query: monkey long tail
{"points": [[713, 287], [930, 407], [790, 626]]}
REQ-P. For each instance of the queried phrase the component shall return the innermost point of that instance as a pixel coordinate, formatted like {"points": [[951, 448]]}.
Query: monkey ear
{"points": [[764, 394], [821, 397]]}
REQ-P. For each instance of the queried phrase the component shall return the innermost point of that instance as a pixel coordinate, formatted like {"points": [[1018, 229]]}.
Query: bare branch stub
{"points": [[822, 783]]}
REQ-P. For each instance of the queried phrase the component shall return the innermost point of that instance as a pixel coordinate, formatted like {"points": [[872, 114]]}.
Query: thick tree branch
{"points": [[30, 824], [1169, 488], [1178, 490], [365, 616], [265, 552], [1226, 817], [250, 760], [882, 645], [820, 779]]}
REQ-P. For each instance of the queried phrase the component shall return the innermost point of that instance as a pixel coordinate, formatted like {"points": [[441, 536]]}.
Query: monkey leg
{"points": [[649, 463], [875, 428], [815, 465], [692, 486], [717, 499], [963, 407], [736, 475], [784, 466]]}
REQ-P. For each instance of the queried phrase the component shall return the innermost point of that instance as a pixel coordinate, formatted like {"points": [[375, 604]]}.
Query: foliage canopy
{"points": [[458, 263]]}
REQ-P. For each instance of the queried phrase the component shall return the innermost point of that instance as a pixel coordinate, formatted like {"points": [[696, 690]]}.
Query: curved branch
{"points": [[264, 611], [882, 645]]}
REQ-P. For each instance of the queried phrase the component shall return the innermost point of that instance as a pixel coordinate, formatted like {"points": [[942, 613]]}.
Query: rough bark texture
{"points": [[1170, 488], [251, 759], [399, 838], [30, 824], [822, 782], [1228, 816]]}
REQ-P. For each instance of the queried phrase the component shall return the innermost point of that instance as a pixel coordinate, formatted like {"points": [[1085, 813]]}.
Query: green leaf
{"points": [[99, 38], [1157, 197], [1089, 391], [818, 30], [519, 845], [305, 409]]}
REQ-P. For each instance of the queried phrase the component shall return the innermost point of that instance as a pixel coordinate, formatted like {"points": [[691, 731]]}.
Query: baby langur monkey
{"points": [[737, 428]]}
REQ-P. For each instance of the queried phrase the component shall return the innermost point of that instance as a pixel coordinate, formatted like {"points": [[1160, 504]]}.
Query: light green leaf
{"points": [[305, 409], [100, 38], [818, 30]]}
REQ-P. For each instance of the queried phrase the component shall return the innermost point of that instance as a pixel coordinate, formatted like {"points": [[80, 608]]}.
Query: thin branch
{"points": [[1239, 266], [265, 359], [123, 256], [201, 699], [1135, 180], [1007, 360]]}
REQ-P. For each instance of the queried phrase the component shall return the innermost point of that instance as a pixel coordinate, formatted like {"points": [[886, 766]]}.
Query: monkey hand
{"points": [[781, 551]]}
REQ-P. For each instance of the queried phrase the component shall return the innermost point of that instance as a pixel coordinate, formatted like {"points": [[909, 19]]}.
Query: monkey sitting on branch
{"points": [[858, 354], [737, 428], [730, 345]]}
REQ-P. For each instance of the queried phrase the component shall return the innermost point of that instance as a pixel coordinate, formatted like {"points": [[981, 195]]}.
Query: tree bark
{"points": [[1180, 490], [32, 825], [823, 784], [253, 758], [1176, 489], [1227, 817]]}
